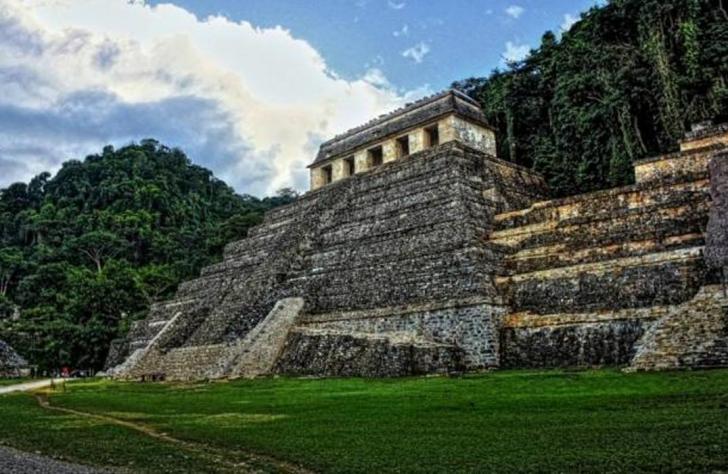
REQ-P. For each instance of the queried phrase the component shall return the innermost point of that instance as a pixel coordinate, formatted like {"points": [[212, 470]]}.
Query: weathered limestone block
{"points": [[471, 326], [584, 344], [480, 138], [349, 354], [653, 279], [705, 135], [389, 150]]}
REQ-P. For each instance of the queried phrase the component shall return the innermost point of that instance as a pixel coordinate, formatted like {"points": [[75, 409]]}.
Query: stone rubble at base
{"points": [[450, 259], [11, 364]]}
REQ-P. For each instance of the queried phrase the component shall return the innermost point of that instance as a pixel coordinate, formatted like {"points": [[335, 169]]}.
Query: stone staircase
{"points": [[636, 247], [693, 335], [257, 352], [582, 275]]}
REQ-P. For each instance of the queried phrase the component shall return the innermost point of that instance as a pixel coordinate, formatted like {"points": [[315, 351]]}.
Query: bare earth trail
{"points": [[29, 386], [225, 460]]}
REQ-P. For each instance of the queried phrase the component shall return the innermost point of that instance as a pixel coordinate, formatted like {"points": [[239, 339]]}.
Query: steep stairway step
{"points": [[543, 214], [567, 254], [638, 224], [656, 278]]}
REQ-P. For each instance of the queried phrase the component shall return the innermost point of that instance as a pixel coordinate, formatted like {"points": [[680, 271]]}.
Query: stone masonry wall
{"points": [[471, 326]]}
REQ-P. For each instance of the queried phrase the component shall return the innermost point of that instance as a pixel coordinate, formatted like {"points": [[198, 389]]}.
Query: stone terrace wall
{"points": [[591, 278]]}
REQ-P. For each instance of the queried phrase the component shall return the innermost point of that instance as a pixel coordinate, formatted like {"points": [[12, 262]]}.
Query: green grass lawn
{"points": [[5, 382], [500, 422]]}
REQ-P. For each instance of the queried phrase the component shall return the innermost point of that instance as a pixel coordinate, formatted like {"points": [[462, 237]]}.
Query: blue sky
{"points": [[247, 88], [463, 37]]}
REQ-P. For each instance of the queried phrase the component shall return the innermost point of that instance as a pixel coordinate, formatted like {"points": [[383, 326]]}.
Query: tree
{"points": [[98, 247]]}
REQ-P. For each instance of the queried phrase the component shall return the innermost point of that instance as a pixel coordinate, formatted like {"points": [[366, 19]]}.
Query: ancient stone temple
{"points": [[11, 364], [417, 251]]}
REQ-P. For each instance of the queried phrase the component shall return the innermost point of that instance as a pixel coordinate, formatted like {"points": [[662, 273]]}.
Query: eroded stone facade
{"points": [[435, 257]]}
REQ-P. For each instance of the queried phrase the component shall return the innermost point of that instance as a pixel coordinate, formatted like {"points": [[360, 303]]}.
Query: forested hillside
{"points": [[84, 253], [624, 83]]}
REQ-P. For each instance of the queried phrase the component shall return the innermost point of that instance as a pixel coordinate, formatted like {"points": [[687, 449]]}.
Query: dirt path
{"points": [[29, 386], [219, 457]]}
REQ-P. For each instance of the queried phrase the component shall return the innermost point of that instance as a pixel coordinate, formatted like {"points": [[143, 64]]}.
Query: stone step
{"points": [[599, 229], [565, 255], [667, 277], [257, 352], [615, 202], [239, 263], [677, 166]]}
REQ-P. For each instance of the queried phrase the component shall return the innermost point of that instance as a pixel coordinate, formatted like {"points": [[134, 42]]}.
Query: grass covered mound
{"points": [[500, 422]]}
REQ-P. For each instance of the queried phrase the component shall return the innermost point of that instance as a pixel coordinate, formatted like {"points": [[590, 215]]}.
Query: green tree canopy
{"points": [[85, 252], [625, 82]]}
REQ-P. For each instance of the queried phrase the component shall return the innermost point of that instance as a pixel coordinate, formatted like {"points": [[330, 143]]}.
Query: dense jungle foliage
{"points": [[625, 82], [84, 253]]}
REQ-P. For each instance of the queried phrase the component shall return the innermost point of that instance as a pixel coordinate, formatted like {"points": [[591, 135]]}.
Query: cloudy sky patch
{"points": [[247, 89], [515, 11], [242, 100], [417, 52]]}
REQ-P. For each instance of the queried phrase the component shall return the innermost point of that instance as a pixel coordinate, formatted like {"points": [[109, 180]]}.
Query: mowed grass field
{"points": [[13, 381], [519, 421]]}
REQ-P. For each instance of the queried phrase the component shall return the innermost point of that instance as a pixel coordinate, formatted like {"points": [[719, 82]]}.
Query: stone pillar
{"points": [[338, 170], [318, 178], [389, 150], [417, 140], [447, 129], [361, 158]]}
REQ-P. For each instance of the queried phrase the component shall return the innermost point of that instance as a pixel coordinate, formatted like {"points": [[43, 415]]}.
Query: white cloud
{"points": [[515, 52], [417, 52], [251, 103], [395, 5], [569, 21], [404, 31], [515, 11]]}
